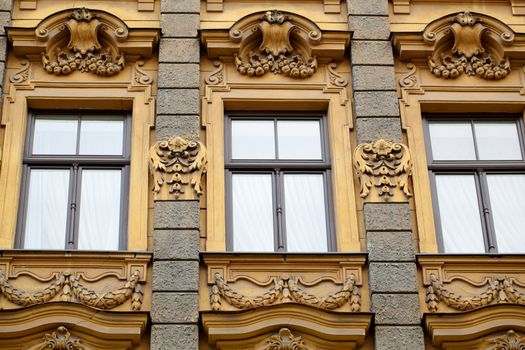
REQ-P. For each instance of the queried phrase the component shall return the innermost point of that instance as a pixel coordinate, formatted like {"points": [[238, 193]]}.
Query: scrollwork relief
{"points": [[385, 165], [85, 43], [60, 339], [286, 290], [285, 340], [141, 77], [498, 291], [276, 44], [409, 79], [335, 78], [466, 45], [21, 76], [509, 341], [74, 291], [179, 164], [217, 76]]}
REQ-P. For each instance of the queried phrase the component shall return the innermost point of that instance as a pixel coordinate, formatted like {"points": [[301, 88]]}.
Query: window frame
{"points": [[268, 166], [75, 164], [477, 168]]}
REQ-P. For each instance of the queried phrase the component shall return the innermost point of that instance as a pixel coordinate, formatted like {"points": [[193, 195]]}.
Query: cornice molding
{"points": [[97, 329], [477, 329], [251, 329]]}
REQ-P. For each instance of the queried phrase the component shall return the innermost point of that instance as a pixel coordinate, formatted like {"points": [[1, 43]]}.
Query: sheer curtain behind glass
{"points": [[47, 208], [99, 210], [305, 213], [252, 212]]}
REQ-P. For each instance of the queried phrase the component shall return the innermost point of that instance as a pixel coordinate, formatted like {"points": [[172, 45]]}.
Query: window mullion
{"points": [[280, 234], [487, 214], [73, 206]]}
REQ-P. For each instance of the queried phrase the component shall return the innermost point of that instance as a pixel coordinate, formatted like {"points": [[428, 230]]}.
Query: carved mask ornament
{"points": [[82, 43], [385, 165], [178, 163], [467, 46], [275, 44], [60, 339], [509, 341], [285, 340]]}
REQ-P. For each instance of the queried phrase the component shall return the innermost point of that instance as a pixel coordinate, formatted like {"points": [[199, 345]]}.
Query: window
{"points": [[278, 176], [75, 181], [477, 173]]}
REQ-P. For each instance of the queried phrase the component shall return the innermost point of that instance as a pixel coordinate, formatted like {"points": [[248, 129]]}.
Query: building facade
{"points": [[266, 175]]}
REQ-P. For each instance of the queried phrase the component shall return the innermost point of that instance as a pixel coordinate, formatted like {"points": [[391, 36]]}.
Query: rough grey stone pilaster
{"points": [[387, 217], [390, 246], [175, 299], [374, 128], [6, 6], [399, 338], [174, 337], [392, 268]]}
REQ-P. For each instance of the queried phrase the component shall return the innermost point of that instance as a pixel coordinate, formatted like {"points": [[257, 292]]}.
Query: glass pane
{"points": [[101, 137], [305, 213], [55, 135], [497, 141], [459, 214], [253, 139], [507, 199], [47, 208], [252, 213], [100, 210], [299, 139], [452, 140]]}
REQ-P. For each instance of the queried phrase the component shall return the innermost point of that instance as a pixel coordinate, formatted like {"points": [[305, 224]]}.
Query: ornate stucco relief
{"points": [[498, 291], [276, 44], [84, 42], [178, 165], [384, 165], [286, 290], [285, 340], [468, 44], [509, 341], [73, 290], [60, 339]]}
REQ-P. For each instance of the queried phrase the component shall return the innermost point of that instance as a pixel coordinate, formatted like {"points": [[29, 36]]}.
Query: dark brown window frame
{"points": [[478, 168], [75, 164], [278, 168]]}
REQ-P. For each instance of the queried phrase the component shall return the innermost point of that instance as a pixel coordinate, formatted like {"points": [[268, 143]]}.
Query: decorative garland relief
{"points": [[286, 290]]}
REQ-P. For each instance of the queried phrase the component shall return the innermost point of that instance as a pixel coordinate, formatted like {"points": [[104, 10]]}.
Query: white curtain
{"points": [[459, 214], [305, 212], [101, 137], [100, 210], [252, 213], [507, 200], [47, 208]]}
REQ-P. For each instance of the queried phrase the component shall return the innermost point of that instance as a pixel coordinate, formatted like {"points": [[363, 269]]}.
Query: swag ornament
{"points": [[83, 42], [276, 44], [466, 45]]}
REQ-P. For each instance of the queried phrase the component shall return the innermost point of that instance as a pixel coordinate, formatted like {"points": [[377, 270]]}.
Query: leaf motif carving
{"points": [[286, 290], [498, 291], [385, 165], [178, 163]]}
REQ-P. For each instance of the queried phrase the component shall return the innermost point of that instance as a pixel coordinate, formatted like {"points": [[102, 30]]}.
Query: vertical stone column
{"points": [[392, 266], [175, 311], [6, 6]]}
